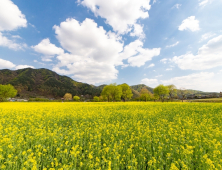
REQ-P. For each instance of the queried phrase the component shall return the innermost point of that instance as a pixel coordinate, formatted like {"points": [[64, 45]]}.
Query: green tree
{"points": [[102, 98], [145, 94], [106, 92], [68, 96], [76, 98], [96, 99], [112, 92], [7, 91], [161, 91], [172, 91], [126, 92]]}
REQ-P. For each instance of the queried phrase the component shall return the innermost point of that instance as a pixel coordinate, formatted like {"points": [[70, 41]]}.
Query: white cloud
{"points": [[23, 66], [159, 76], [207, 36], [47, 49], [173, 45], [121, 15], [38, 62], [190, 23], [138, 56], [164, 60], [204, 81], [10, 16], [143, 56], [90, 71], [150, 82], [151, 65], [176, 6], [4, 64], [16, 36], [205, 2], [86, 40], [5, 42], [138, 31], [92, 52], [208, 56], [154, 1]]}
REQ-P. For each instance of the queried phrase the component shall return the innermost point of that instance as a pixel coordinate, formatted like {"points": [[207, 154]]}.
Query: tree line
{"points": [[114, 92], [123, 92]]}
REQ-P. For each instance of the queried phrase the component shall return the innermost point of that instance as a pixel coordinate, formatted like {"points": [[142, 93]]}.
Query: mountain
{"points": [[140, 86], [33, 83], [43, 82]]}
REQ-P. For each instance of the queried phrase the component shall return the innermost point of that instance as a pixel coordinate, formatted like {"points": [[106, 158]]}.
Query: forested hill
{"points": [[43, 82], [46, 83], [140, 86]]}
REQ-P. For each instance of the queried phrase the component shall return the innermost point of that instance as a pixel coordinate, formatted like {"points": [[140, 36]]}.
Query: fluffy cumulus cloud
{"points": [[11, 44], [150, 82], [208, 56], [136, 55], [190, 23], [138, 31], [92, 53], [204, 81], [89, 71], [5, 64], [48, 49], [10, 16], [121, 15], [86, 40]]}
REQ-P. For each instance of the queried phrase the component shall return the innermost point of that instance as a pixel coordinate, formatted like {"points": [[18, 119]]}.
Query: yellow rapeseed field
{"points": [[59, 136]]}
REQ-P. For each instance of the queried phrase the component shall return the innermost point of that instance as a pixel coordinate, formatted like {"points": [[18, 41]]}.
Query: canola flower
{"points": [[63, 136]]}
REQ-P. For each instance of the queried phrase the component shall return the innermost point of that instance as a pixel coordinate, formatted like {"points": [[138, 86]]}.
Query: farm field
{"points": [[210, 100], [133, 135]]}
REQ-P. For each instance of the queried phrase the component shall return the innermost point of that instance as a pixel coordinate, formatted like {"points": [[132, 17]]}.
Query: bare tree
{"points": [[182, 93]]}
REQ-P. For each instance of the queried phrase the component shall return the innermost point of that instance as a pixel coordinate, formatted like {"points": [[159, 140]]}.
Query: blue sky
{"points": [[129, 41]]}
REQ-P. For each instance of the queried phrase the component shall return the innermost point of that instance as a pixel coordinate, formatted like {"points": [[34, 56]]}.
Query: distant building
{"points": [[21, 100]]}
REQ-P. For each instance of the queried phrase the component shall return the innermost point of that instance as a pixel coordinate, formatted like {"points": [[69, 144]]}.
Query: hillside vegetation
{"points": [[32, 83], [43, 82]]}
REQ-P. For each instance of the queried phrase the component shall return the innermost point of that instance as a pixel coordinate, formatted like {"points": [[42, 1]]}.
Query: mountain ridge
{"points": [[46, 83]]}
